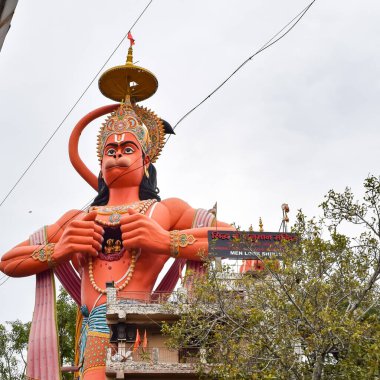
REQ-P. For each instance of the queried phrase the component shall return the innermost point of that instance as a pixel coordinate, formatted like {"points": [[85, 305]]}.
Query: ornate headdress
{"points": [[127, 84], [130, 84], [141, 122]]}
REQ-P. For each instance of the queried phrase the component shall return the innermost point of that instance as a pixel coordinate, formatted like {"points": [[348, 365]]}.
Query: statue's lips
{"points": [[121, 162], [117, 166]]}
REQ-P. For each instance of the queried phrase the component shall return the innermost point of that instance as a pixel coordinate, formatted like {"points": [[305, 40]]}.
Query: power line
{"points": [[292, 23], [269, 43], [82, 209], [72, 108], [4, 278]]}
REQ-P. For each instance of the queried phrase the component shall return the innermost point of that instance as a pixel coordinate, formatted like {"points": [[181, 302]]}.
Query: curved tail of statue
{"points": [[130, 141]]}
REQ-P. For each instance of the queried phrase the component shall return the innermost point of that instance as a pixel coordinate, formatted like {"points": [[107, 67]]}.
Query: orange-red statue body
{"points": [[128, 234]]}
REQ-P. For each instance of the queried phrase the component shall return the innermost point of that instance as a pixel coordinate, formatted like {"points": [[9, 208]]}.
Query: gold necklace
{"points": [[115, 212], [110, 210], [128, 274]]}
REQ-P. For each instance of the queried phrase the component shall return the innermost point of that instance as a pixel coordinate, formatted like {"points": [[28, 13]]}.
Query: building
{"points": [[138, 345]]}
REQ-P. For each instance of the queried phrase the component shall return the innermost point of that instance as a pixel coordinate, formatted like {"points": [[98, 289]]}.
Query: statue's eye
{"points": [[111, 152], [128, 150]]}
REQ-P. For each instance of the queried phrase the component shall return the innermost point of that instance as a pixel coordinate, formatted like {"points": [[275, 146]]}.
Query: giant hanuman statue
{"points": [[126, 236]]}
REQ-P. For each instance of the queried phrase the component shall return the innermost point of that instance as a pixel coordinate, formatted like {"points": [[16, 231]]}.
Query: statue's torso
{"points": [[147, 268]]}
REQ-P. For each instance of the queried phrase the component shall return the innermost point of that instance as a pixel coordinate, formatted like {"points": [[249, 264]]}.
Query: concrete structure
{"points": [[128, 313]]}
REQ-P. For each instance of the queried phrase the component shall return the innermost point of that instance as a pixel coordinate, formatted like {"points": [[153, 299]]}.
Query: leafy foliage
{"points": [[66, 318], [14, 340], [13, 344], [315, 316]]}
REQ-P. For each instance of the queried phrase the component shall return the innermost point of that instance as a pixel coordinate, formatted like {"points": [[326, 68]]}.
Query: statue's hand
{"points": [[139, 231], [80, 236]]}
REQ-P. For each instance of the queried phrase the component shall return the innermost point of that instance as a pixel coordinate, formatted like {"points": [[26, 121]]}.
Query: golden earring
{"points": [[146, 171]]}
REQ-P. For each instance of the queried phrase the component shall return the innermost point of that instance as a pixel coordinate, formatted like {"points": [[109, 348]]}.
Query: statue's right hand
{"points": [[80, 236]]}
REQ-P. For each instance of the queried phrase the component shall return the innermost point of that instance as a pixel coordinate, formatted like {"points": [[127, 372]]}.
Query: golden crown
{"points": [[141, 122], [129, 84]]}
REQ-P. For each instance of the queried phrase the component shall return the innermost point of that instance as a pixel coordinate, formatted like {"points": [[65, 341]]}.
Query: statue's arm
{"points": [[75, 232], [196, 239], [172, 218]]}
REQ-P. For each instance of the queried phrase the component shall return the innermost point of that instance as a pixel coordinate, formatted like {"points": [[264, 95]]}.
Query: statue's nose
{"points": [[119, 155]]}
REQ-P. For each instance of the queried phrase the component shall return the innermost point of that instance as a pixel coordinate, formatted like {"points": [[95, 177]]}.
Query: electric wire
{"points": [[264, 47], [292, 23], [82, 209], [72, 108], [269, 43], [5, 277]]}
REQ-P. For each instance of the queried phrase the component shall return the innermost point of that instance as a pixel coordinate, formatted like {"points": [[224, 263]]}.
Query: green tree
{"points": [[66, 320], [14, 340], [315, 316], [13, 344]]}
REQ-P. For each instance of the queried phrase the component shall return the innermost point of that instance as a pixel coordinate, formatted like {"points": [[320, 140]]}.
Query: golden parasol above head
{"points": [[128, 80]]}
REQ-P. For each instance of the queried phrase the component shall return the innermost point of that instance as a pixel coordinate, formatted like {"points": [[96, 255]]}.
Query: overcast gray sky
{"points": [[299, 119]]}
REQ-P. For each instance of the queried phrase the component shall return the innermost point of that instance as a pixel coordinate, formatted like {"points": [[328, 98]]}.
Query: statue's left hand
{"points": [[139, 231]]}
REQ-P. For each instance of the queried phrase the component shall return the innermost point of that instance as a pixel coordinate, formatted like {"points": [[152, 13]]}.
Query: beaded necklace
{"points": [[141, 207]]}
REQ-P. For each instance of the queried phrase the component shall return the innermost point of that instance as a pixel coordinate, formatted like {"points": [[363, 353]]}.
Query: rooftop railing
{"points": [[158, 298], [153, 355]]}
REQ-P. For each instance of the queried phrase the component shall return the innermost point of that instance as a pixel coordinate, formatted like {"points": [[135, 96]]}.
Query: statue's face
{"points": [[122, 162]]}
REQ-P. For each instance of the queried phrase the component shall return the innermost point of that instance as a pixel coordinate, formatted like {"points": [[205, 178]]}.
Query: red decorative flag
{"points": [[137, 341], [180, 272], [145, 341], [131, 39]]}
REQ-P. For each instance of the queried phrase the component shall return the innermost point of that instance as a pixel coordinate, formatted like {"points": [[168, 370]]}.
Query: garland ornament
{"points": [[113, 211], [128, 275]]}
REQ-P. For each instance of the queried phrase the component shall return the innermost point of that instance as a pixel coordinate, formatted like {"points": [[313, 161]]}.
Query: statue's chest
{"points": [[108, 268]]}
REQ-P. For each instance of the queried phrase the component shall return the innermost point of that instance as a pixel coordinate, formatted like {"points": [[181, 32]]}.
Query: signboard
{"points": [[241, 245]]}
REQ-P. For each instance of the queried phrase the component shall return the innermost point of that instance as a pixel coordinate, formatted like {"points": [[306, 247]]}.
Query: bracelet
{"points": [[45, 254], [179, 240], [174, 243]]}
